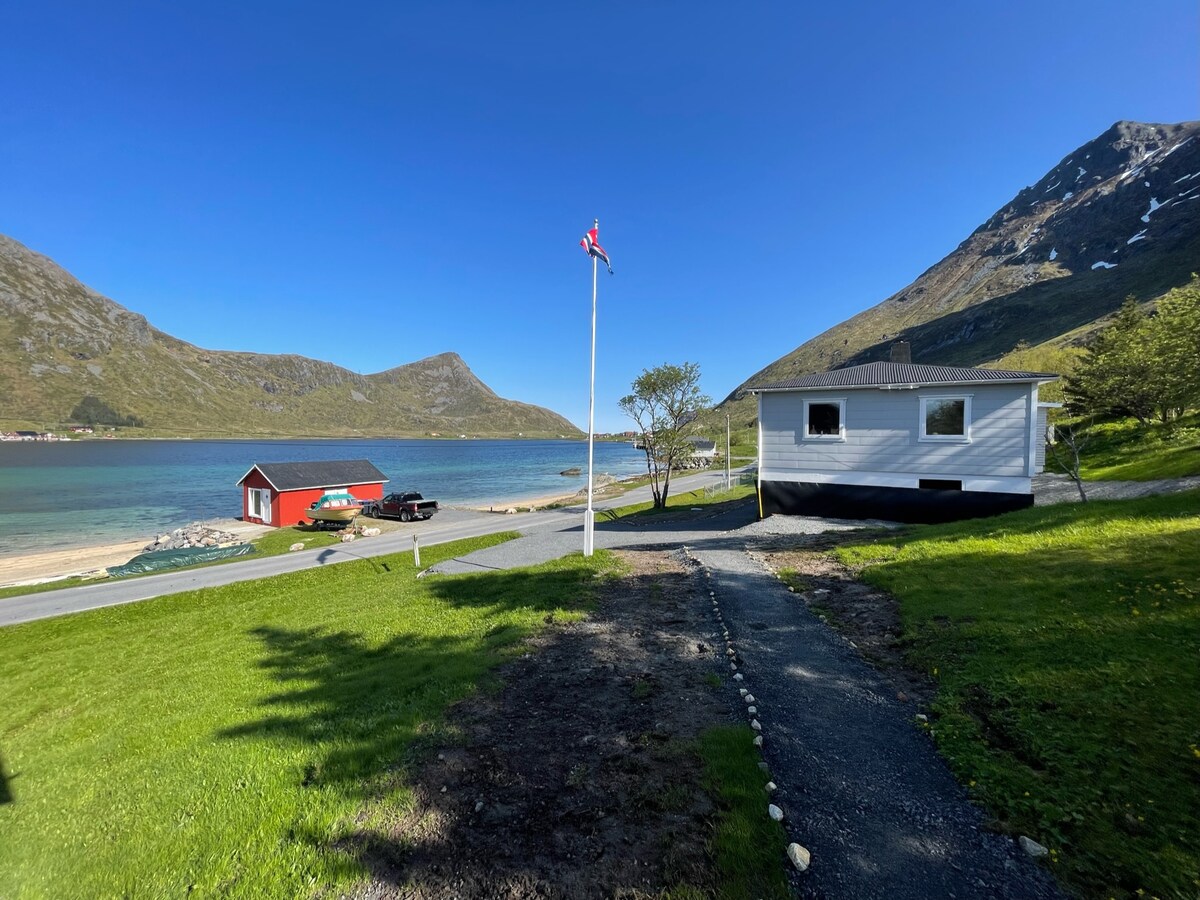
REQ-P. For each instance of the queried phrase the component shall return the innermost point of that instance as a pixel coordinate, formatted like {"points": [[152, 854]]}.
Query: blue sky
{"points": [[373, 183]]}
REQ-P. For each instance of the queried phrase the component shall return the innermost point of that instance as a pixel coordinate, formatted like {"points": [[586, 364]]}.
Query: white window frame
{"points": [[840, 403], [964, 438]]}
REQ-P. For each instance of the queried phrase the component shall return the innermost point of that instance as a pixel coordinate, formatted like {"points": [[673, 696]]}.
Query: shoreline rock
{"points": [[195, 535]]}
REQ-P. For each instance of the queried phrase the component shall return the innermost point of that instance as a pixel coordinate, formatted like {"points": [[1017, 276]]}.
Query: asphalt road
{"points": [[447, 525]]}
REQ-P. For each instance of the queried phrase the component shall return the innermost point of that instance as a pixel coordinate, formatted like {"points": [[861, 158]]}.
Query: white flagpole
{"points": [[589, 522]]}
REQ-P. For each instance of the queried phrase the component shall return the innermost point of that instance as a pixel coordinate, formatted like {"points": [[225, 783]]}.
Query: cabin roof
{"points": [[893, 375], [293, 476]]}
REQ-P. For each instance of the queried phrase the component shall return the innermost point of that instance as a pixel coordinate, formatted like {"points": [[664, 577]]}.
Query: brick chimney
{"points": [[901, 352]]}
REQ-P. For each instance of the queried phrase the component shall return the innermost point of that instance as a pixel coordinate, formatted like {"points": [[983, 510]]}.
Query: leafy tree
{"points": [[1116, 377], [1142, 366], [1175, 342], [665, 400]]}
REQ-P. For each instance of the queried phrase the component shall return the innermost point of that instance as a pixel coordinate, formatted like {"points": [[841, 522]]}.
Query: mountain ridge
{"points": [[1115, 217], [61, 341]]}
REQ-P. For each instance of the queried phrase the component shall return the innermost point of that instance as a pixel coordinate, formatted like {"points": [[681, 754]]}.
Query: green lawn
{"points": [[1064, 641], [676, 502], [245, 740], [747, 847], [223, 741]]}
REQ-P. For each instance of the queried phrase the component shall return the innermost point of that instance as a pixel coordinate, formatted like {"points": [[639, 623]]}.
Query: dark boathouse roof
{"points": [[294, 476], [895, 375]]}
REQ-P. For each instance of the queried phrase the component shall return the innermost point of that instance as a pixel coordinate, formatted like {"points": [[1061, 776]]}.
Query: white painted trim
{"points": [[923, 438], [1031, 415], [840, 437], [996, 484], [760, 429]]}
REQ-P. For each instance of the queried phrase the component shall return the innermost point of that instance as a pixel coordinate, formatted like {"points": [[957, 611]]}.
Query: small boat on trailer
{"points": [[334, 509]]}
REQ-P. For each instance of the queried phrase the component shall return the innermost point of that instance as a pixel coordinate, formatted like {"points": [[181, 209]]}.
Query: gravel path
{"points": [[862, 788]]}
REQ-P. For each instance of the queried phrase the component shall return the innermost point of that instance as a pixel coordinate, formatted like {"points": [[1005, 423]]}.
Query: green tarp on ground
{"points": [[160, 560]]}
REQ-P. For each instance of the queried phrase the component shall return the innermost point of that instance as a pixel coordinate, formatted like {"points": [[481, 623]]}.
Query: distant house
{"points": [[279, 493], [702, 448], [909, 443]]}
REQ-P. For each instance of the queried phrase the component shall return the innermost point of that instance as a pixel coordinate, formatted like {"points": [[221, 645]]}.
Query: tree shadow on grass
{"points": [[6, 794], [362, 708], [359, 707], [370, 713]]}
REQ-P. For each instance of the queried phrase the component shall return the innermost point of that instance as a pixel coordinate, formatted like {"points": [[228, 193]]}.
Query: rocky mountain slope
{"points": [[1120, 216], [60, 342]]}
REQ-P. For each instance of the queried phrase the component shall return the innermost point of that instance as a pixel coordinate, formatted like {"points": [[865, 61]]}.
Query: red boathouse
{"points": [[280, 493]]}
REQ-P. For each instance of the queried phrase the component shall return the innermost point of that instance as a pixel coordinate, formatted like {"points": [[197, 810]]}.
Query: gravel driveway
{"points": [[1049, 489]]}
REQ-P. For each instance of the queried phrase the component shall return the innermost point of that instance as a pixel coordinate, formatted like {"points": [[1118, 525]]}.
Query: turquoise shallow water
{"points": [[81, 493]]}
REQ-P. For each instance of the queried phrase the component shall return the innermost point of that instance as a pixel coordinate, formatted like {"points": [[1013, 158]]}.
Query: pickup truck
{"points": [[402, 505]]}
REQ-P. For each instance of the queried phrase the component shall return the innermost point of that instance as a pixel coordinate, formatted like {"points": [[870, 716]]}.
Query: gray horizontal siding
{"points": [[883, 431]]}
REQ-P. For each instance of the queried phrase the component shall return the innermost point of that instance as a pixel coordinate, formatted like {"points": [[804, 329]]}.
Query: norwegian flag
{"points": [[591, 244]]}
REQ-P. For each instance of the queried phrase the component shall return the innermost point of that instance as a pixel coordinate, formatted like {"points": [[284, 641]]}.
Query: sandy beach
{"points": [[50, 565]]}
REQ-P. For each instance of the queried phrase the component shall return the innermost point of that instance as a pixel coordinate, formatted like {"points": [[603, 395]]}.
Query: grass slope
{"points": [[1126, 451], [1064, 641], [223, 741]]}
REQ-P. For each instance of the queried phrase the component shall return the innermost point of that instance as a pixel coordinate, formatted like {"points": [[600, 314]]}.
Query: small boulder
{"points": [[799, 856], [774, 812], [1032, 848], [299, 545]]}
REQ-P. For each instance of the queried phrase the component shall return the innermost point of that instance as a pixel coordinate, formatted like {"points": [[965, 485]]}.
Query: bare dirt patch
{"points": [[867, 616], [578, 778]]}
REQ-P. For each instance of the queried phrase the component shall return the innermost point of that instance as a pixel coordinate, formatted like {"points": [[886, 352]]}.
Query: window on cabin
{"points": [[823, 419], [945, 418]]}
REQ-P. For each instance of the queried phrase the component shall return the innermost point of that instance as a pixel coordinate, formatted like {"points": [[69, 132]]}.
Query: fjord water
{"points": [[82, 493]]}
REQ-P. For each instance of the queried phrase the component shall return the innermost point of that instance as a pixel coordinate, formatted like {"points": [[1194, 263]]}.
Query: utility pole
{"points": [[727, 484]]}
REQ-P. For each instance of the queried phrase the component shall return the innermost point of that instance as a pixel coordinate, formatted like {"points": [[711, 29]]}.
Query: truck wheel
{"points": [[405, 515], [373, 512]]}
